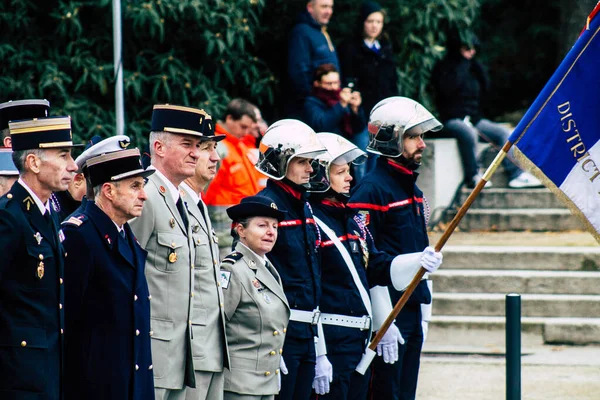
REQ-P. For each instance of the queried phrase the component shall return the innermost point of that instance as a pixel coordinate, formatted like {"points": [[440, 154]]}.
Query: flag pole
{"points": [[370, 353], [118, 67]]}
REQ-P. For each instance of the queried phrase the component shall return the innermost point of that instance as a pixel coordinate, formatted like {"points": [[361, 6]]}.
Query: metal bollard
{"points": [[513, 346]]}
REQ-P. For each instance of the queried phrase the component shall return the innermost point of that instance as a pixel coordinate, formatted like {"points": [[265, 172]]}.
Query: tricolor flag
{"points": [[558, 139]]}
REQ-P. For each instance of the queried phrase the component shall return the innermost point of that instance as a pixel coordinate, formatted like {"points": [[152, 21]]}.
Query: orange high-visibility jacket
{"points": [[236, 177]]}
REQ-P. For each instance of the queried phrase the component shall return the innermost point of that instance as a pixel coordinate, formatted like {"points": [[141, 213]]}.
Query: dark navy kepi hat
{"points": [[255, 206], [7, 166], [184, 121], [115, 166], [22, 109], [42, 133]]}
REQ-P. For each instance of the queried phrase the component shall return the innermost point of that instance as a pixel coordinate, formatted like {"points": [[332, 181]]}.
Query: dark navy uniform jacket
{"points": [[340, 294], [31, 299], [295, 253], [107, 352], [392, 206]]}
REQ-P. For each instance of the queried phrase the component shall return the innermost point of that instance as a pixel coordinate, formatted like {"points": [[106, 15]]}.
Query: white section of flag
{"points": [[583, 193]]}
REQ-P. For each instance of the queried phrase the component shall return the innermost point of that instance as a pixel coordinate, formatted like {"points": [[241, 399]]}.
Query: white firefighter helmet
{"points": [[340, 151], [394, 117], [284, 140]]}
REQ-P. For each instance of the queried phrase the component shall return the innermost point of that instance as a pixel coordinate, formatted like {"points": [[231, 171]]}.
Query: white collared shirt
{"points": [[43, 207], [119, 228], [170, 187], [375, 43], [195, 196], [252, 251]]}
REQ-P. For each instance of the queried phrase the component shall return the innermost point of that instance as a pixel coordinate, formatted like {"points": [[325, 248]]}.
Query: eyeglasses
{"points": [[330, 84]]}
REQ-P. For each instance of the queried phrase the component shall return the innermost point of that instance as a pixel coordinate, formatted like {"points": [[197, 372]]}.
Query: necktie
{"points": [[182, 213], [48, 219], [201, 208], [329, 43], [122, 233]]}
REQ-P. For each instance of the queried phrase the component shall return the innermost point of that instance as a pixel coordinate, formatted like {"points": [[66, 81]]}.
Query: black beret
{"points": [[255, 206]]}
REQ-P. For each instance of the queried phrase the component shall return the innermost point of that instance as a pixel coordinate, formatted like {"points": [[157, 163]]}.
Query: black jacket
{"points": [[374, 74], [31, 300]]}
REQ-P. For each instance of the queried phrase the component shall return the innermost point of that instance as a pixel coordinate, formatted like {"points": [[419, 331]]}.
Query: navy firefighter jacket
{"points": [[391, 205], [295, 254], [340, 294]]}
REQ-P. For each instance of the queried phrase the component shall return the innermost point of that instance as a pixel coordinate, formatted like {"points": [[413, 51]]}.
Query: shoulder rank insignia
{"points": [[77, 221], [225, 276], [233, 257]]}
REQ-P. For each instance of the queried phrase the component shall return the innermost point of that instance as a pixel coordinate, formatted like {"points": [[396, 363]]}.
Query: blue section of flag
{"points": [[573, 95]]}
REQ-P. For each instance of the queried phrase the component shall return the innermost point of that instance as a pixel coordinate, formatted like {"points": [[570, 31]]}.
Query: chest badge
{"points": [[172, 222], [173, 256], [38, 237], [365, 249], [267, 297]]}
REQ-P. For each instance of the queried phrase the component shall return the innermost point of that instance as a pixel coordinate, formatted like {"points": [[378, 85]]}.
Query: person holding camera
{"points": [[331, 108]]}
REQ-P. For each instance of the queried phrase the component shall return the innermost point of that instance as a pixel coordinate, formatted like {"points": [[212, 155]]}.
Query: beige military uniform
{"points": [[169, 271], [257, 315], [209, 346]]}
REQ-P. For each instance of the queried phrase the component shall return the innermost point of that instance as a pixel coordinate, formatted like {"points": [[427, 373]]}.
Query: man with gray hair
{"points": [[31, 267], [164, 231]]}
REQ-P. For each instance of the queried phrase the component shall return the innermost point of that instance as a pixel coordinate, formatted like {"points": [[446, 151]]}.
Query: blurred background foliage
{"points": [[201, 53]]}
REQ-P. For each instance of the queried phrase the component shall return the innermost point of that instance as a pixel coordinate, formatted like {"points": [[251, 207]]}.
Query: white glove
{"points": [[431, 259], [323, 375], [283, 370], [388, 346]]}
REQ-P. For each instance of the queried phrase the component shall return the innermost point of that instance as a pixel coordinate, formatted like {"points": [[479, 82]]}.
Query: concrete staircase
{"points": [[559, 285]]}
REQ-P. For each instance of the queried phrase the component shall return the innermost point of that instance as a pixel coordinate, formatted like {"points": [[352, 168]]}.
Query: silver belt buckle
{"points": [[366, 323], [316, 317]]}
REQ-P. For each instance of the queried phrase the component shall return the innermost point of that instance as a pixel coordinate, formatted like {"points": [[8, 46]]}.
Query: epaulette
{"points": [[4, 200], [233, 257], [76, 220]]}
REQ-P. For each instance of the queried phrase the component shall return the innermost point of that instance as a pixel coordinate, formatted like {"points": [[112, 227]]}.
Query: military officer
{"points": [[208, 323], [287, 152], [256, 308], [31, 266], [8, 171], [107, 340], [19, 110], [164, 231]]}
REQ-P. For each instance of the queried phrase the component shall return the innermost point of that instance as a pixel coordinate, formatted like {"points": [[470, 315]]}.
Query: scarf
{"points": [[331, 98]]}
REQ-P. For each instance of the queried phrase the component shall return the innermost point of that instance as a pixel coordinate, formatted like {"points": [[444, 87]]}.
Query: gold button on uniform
{"points": [[41, 256], [62, 331], [284, 330], [272, 352], [137, 367], [60, 306], [61, 281], [23, 343], [280, 351], [192, 294], [218, 284], [137, 332], [267, 373], [151, 333], [135, 297], [149, 297], [275, 333], [9, 196], [277, 371], [222, 305], [150, 367]]}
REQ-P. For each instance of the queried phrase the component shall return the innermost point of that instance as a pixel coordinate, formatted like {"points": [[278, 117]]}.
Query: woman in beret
{"points": [[256, 309]]}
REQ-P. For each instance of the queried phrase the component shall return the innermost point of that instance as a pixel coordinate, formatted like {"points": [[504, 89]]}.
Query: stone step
{"points": [[532, 305], [522, 258], [523, 282], [504, 198], [489, 332], [517, 219]]}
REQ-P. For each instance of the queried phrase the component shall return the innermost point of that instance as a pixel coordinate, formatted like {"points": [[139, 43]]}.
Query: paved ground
{"points": [[547, 373]]}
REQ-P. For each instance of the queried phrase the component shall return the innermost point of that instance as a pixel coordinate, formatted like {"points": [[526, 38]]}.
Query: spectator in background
{"points": [[8, 171], [309, 46], [460, 82], [236, 178], [368, 62], [330, 108]]}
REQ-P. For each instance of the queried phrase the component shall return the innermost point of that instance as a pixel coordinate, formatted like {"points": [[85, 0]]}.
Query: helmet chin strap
{"points": [[410, 164]]}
